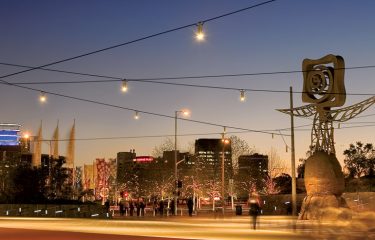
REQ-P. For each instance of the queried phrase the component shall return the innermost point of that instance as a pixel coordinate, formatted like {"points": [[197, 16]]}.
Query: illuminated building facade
{"points": [[209, 154]]}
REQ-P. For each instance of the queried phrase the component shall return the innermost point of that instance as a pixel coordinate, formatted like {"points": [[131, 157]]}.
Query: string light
{"points": [[124, 86], [186, 112], [42, 97], [136, 116], [199, 35], [242, 95]]}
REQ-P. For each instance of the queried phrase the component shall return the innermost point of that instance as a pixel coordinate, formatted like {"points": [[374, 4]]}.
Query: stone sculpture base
{"points": [[324, 182], [324, 207]]}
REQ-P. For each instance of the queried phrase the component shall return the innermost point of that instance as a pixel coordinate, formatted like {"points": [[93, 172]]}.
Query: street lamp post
{"points": [[224, 141], [184, 112], [293, 157]]}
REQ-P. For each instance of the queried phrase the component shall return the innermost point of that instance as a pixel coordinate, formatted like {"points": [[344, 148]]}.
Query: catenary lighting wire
{"points": [[138, 40], [131, 109], [116, 79], [155, 80], [180, 135]]}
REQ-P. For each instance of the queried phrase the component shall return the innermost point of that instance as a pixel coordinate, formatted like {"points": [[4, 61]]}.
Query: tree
{"points": [[28, 185], [360, 159], [283, 183], [302, 163], [301, 168], [276, 166], [166, 145], [239, 147], [270, 186]]}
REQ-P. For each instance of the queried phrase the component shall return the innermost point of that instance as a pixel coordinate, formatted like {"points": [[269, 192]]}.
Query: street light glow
{"points": [[124, 86], [136, 116], [242, 96], [43, 97], [199, 35], [186, 112]]}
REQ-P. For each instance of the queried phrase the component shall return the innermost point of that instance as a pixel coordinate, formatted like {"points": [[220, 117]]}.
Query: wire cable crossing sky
{"points": [[236, 76]]}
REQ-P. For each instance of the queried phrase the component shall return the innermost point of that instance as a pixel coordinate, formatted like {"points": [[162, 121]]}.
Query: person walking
{"points": [[254, 208], [138, 209], [142, 206], [155, 207], [126, 207], [121, 206], [131, 207], [190, 205], [161, 208], [172, 207], [106, 204]]}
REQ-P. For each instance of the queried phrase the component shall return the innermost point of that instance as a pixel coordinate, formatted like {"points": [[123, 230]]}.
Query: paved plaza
{"points": [[229, 227]]}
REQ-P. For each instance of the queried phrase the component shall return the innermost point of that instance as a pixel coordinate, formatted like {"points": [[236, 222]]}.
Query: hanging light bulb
{"points": [[136, 116], [242, 95], [199, 35], [124, 86], [42, 97]]}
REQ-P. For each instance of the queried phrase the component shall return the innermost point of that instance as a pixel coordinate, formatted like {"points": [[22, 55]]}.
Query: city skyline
{"points": [[272, 38]]}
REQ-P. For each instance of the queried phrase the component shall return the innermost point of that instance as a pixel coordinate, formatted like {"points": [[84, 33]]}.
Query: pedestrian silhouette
{"points": [[131, 207], [106, 204], [172, 206], [190, 206], [161, 207], [121, 206], [254, 208]]}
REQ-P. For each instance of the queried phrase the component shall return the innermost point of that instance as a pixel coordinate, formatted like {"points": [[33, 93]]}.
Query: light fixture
{"points": [[185, 112], [124, 86], [199, 35], [42, 97], [136, 116], [26, 135], [242, 95]]}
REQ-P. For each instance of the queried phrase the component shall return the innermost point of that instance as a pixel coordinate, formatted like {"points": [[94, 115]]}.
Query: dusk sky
{"points": [[270, 38]]}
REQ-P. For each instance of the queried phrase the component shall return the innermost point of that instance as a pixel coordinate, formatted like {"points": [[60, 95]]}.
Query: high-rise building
{"points": [[14, 149], [124, 165], [253, 167], [209, 153]]}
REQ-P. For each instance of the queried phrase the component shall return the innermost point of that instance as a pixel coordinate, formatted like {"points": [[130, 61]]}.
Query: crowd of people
{"points": [[136, 207]]}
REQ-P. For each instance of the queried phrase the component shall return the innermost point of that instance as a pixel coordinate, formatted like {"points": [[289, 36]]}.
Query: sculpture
{"points": [[324, 88]]}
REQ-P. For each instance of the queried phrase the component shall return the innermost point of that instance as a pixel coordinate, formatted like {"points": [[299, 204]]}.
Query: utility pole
{"points": [[293, 157]]}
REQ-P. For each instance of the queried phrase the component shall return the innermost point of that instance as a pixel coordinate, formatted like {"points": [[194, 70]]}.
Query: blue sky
{"points": [[273, 37]]}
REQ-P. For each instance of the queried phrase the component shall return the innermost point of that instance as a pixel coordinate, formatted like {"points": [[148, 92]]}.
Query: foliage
{"points": [[284, 183], [302, 163], [301, 168], [276, 166], [166, 145], [360, 160], [58, 181], [28, 185], [239, 147], [270, 187]]}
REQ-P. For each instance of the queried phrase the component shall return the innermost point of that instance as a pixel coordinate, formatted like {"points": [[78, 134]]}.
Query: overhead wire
{"points": [[140, 111], [138, 40], [109, 78], [186, 134], [155, 80]]}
